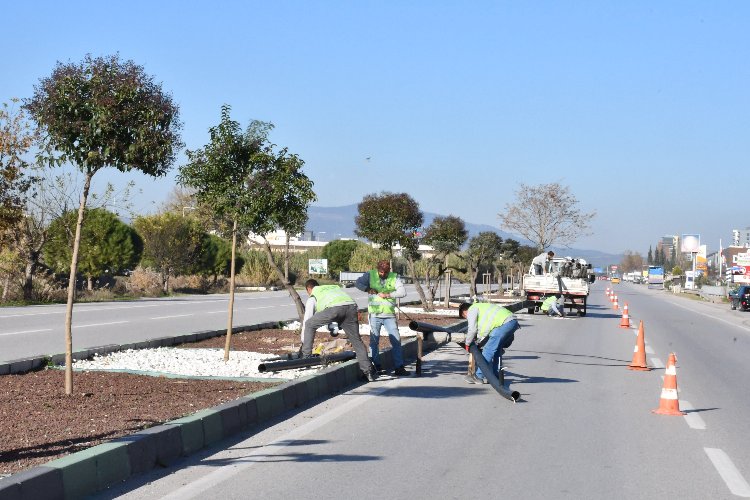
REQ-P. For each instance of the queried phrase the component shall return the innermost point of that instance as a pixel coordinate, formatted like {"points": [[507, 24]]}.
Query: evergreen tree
{"points": [[650, 258]]}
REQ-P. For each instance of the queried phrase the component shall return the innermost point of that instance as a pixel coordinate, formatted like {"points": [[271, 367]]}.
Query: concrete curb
{"points": [[88, 471]]}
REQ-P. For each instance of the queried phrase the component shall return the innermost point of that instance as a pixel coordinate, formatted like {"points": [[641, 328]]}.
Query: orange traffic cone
{"points": [[625, 321], [616, 306], [611, 295], [607, 292], [669, 404], [639, 352]]}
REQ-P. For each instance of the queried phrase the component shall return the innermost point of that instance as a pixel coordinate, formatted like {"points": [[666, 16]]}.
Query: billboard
{"points": [[701, 263], [690, 243], [740, 270], [317, 266]]}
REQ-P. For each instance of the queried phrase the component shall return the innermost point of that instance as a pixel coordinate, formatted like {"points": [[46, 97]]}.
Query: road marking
{"points": [[100, 324], [649, 350], [657, 363], [216, 312], [232, 467], [173, 316], [728, 472], [692, 418], [26, 331]]}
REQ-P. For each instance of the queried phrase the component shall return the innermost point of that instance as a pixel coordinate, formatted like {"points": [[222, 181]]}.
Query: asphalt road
{"points": [[40, 330], [584, 428]]}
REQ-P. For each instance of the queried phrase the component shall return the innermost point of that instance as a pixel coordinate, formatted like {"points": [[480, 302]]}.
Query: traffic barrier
{"points": [[625, 321], [639, 352], [669, 403]]}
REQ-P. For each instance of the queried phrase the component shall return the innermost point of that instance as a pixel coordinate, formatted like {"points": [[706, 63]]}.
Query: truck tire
{"points": [[531, 310], [733, 305]]}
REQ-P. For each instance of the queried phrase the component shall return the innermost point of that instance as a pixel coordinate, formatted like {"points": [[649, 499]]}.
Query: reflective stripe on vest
{"points": [[330, 296], [490, 317], [380, 305]]}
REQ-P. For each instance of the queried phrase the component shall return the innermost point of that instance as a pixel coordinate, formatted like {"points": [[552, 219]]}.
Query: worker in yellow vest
{"points": [[329, 303], [383, 288], [491, 325]]}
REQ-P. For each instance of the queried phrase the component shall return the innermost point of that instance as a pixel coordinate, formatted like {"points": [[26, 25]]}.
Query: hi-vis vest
{"points": [[379, 305], [548, 303], [330, 296], [490, 317]]}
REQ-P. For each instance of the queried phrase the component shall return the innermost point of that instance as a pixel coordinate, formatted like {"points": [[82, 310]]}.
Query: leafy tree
{"points": [[631, 261], [338, 253], [101, 113], [16, 139], [108, 245], [546, 214], [483, 249], [446, 235], [216, 257], [390, 219], [172, 244]]}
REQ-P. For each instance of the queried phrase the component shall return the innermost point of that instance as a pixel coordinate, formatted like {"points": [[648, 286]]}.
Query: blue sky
{"points": [[642, 108]]}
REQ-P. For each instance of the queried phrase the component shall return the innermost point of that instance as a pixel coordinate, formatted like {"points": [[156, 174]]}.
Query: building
{"points": [[741, 237]]}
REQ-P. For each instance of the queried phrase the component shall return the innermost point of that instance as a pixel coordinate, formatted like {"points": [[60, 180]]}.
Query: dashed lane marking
{"points": [[26, 331], [692, 418], [728, 472]]}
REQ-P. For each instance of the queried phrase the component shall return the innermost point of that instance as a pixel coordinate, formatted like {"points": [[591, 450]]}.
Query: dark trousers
{"points": [[346, 317]]}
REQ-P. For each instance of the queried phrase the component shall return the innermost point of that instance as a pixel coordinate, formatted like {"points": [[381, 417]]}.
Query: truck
{"points": [[655, 277], [740, 298], [566, 276]]}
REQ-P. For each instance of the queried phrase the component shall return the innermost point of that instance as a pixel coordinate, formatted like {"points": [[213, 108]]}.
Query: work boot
{"points": [[401, 372], [471, 379], [371, 375], [485, 381]]}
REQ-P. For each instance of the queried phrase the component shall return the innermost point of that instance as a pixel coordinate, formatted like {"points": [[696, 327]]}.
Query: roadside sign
{"points": [[317, 266]]}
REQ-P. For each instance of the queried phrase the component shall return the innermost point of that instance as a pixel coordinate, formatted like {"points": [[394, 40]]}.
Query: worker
{"points": [[553, 307], [383, 288], [542, 262], [491, 325], [327, 304]]}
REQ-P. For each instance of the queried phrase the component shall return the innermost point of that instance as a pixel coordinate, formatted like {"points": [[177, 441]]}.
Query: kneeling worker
{"points": [[494, 323], [328, 303], [552, 307]]}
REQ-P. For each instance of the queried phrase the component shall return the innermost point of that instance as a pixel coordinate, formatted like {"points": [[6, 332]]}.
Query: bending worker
{"points": [[492, 325], [383, 287], [330, 303], [552, 307], [542, 262]]}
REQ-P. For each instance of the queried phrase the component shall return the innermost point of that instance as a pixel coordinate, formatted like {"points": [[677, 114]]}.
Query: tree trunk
{"points": [[89, 283], [6, 285], [230, 316], [72, 288], [417, 284], [28, 275], [289, 288], [286, 259], [473, 285]]}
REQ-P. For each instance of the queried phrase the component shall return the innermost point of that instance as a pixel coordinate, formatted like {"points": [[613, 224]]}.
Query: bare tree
{"points": [[546, 214]]}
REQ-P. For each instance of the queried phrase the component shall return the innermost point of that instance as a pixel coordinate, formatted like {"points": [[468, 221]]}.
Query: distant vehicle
{"points": [[655, 277], [615, 280], [740, 298]]}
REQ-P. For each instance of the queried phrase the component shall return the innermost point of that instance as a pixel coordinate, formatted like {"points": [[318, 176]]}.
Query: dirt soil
{"points": [[41, 423]]}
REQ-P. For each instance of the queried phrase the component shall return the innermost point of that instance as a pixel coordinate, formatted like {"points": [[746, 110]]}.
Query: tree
{"points": [[108, 245], [101, 113], [650, 257], [172, 244], [338, 253], [390, 219], [16, 139], [483, 249], [446, 235], [216, 258], [546, 214], [631, 261]]}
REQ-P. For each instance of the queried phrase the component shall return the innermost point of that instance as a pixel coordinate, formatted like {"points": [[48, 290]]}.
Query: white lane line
{"points": [[101, 324], [26, 331], [215, 312], [657, 363], [172, 316], [693, 420], [197, 489], [649, 350], [728, 472]]}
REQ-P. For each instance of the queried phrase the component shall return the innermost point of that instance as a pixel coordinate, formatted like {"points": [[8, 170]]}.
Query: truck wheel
{"points": [[733, 305], [531, 310]]}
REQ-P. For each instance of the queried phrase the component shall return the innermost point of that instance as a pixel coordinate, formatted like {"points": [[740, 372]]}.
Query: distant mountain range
{"points": [[330, 223]]}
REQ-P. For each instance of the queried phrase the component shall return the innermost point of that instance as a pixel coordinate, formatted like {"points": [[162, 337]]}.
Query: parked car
{"points": [[615, 280], [740, 298]]}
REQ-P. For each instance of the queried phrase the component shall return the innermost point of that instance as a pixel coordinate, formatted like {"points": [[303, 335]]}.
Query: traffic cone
{"points": [[639, 352], [669, 404], [607, 292], [616, 306], [611, 296], [625, 321]]}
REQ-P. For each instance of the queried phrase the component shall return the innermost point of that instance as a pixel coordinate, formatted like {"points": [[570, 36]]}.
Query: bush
{"points": [[145, 282]]}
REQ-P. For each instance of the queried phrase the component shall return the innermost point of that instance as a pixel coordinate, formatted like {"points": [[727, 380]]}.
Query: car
{"points": [[740, 298], [615, 280]]}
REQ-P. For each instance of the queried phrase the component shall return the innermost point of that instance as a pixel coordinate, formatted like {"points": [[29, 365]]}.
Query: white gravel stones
{"points": [[190, 362]]}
